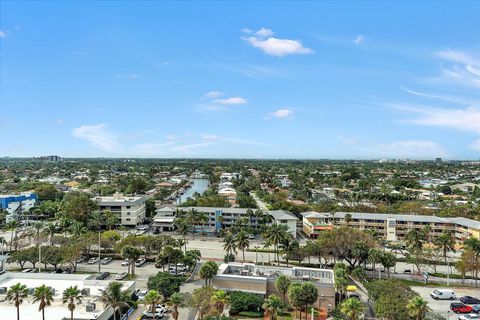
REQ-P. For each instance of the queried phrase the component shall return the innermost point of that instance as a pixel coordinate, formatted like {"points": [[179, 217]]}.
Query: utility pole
{"points": [[99, 258], [39, 258]]}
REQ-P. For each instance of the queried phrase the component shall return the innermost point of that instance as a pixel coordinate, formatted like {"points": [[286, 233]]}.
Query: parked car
{"points": [[121, 276], [161, 308], [140, 262], [125, 263], [156, 230], [81, 259], [93, 260], [142, 294], [149, 315], [142, 227], [459, 307], [476, 308], [103, 276], [106, 260], [443, 294], [470, 316], [469, 300]]}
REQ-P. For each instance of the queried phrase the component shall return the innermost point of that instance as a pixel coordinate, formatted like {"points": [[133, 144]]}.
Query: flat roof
{"points": [[59, 282]]}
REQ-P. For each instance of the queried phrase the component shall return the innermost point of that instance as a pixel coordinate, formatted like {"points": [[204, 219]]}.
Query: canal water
{"points": [[198, 185]]}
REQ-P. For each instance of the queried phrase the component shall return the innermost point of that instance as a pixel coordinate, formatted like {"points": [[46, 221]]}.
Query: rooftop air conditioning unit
{"points": [[3, 290], [85, 291], [90, 307]]}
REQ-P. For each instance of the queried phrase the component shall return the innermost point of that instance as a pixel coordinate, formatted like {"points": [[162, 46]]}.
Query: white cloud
{"points": [[264, 41], [282, 113], [230, 101], [97, 136], [359, 39], [60, 122], [128, 76], [247, 30], [464, 69], [457, 57], [3, 34], [264, 33], [445, 97], [213, 94], [413, 149]]}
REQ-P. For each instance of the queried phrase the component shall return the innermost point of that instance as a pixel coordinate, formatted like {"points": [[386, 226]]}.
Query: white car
{"points": [[121, 276], [106, 260], [142, 294], [140, 262], [443, 294], [147, 314], [470, 316], [93, 260], [125, 263]]}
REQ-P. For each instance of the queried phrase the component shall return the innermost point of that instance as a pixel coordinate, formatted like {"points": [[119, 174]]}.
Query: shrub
{"points": [[244, 301], [250, 314]]}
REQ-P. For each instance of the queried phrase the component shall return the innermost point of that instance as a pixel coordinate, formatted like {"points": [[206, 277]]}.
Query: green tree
{"points": [[353, 308], [446, 243], [273, 306], [274, 235], [282, 283], [208, 271], [417, 308], [309, 295], [229, 244], [295, 297], [78, 205], [115, 297], [289, 247], [152, 298], [165, 283], [17, 293], [43, 295], [242, 242], [72, 296], [176, 301], [201, 300], [415, 239], [219, 300], [132, 254]]}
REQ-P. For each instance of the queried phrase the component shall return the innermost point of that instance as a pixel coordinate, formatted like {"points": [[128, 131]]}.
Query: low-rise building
{"points": [[15, 204], [130, 210], [259, 279], [220, 218], [89, 309], [392, 227]]}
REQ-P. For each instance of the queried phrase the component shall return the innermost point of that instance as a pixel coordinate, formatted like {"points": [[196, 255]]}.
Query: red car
{"points": [[459, 307]]}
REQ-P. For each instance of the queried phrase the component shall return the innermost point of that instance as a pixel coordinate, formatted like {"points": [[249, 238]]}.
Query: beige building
{"points": [[258, 279], [130, 210], [393, 227]]}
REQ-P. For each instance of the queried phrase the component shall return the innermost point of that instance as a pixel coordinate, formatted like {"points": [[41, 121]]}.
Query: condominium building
{"points": [[259, 279], [219, 218], [392, 227], [130, 210], [16, 204]]}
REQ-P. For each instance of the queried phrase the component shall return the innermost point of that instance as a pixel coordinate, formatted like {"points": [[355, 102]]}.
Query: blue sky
{"points": [[356, 80]]}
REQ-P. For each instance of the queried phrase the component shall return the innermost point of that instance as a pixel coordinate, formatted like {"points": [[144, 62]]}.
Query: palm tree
{"points": [[229, 244], [37, 230], [17, 293], [208, 271], [273, 305], [152, 298], [414, 240], [77, 228], [176, 301], [132, 254], [274, 235], [44, 295], [219, 299], [50, 230], [12, 225], [282, 283], [353, 308], [473, 244], [203, 219], [116, 298], [191, 218], [242, 242], [288, 246], [417, 308], [72, 296], [65, 223], [348, 218], [445, 242], [182, 243]]}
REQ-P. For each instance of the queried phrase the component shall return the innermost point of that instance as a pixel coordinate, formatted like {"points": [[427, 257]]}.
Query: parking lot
{"points": [[443, 306]]}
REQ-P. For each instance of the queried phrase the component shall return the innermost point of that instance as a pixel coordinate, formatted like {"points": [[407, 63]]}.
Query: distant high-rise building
{"points": [[438, 160], [49, 158]]}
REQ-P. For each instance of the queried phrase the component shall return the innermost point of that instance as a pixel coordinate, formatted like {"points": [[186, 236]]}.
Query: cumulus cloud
{"points": [[263, 39], [282, 113], [213, 94], [359, 39], [414, 149], [98, 136], [230, 101]]}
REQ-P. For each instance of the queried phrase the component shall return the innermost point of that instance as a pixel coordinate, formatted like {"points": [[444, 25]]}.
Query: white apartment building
{"points": [[224, 218], [15, 204], [130, 210]]}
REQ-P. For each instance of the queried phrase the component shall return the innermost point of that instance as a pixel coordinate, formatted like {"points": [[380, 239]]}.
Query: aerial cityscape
{"points": [[239, 160]]}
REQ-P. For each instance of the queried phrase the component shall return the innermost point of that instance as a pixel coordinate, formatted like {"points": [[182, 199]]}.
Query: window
{"points": [[128, 207], [128, 219], [283, 221]]}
